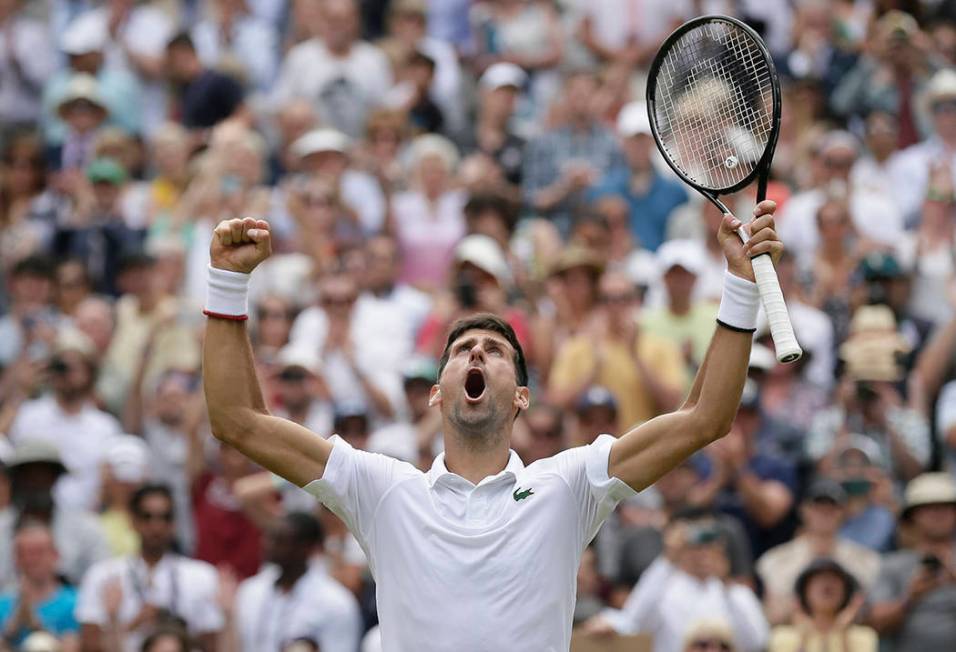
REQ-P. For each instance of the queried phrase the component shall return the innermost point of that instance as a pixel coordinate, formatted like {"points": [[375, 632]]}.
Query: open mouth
{"points": [[474, 384]]}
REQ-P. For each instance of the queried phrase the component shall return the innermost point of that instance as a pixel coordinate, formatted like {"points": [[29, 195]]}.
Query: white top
{"points": [[344, 88], [667, 602], [318, 607], [186, 587], [472, 568], [27, 59], [910, 169], [82, 440]]}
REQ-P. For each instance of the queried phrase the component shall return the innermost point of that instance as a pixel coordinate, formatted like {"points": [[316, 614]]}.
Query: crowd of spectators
{"points": [[418, 161]]}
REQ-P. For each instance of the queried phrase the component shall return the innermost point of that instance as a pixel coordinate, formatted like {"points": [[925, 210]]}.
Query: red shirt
{"points": [[224, 534]]}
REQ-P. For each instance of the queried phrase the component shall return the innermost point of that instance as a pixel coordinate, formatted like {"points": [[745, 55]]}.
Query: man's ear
{"points": [[434, 396], [522, 398]]}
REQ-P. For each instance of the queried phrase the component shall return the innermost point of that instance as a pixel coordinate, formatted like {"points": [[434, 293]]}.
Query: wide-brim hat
{"points": [[36, 451], [929, 489], [85, 88]]}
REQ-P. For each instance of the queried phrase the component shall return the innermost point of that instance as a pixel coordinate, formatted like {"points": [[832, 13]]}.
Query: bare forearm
{"points": [[722, 378], [886, 617], [935, 359], [230, 383]]}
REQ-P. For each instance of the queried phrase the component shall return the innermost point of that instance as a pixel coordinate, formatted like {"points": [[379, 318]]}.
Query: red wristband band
{"points": [[218, 315]]}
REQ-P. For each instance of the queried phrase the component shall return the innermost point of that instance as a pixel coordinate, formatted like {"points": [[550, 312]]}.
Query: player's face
{"points": [[478, 389]]}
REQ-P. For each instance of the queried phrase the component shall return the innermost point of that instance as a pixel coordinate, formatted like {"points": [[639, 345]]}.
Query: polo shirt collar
{"points": [[439, 472]]}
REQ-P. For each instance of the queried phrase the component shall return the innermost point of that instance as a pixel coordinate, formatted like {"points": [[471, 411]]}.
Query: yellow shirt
{"points": [[789, 639], [692, 330], [576, 359], [120, 535]]}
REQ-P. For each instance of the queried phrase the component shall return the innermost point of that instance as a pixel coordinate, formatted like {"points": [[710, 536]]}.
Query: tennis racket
{"points": [[714, 105]]}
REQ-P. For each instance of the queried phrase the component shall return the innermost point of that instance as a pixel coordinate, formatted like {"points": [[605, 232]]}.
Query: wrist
{"points": [[739, 303], [227, 294]]}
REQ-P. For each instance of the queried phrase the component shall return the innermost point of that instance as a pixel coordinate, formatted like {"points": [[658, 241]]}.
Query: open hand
{"points": [[763, 240], [239, 245]]}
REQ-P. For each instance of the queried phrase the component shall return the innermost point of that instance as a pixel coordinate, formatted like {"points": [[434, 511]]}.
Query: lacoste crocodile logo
{"points": [[521, 495]]}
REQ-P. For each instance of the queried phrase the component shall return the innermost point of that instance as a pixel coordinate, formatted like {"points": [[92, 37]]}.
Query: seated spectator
{"points": [[231, 37], [83, 110], [204, 97], [687, 583], [26, 226], [650, 196], [85, 43], [69, 419], [545, 433], [73, 285], [561, 163], [124, 598], [415, 435], [30, 56], [611, 33], [822, 512], [428, 221], [168, 638], [643, 369], [412, 94], [683, 319], [34, 468], [914, 600], [343, 75], [41, 601], [125, 470], [869, 403], [595, 413], [301, 392], [495, 133], [294, 598], [871, 499], [30, 320], [828, 601]]}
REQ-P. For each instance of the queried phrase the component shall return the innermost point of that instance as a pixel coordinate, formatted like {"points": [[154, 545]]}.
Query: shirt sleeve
{"points": [[206, 615], [584, 468], [354, 483], [89, 605], [639, 612]]}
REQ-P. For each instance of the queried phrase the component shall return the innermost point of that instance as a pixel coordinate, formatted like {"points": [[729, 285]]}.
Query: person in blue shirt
{"points": [[40, 601], [650, 196]]}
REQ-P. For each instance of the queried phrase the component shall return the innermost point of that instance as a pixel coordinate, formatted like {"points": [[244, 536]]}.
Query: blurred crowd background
{"points": [[420, 160]]}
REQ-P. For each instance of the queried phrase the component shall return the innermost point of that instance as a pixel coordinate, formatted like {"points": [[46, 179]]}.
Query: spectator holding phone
{"points": [[914, 601]]}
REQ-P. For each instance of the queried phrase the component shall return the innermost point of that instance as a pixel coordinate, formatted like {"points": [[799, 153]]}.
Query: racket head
{"points": [[713, 100]]}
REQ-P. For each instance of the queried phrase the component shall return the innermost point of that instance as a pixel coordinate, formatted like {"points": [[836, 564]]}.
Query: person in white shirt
{"points": [[688, 583], [293, 597], [231, 36], [27, 59], [121, 599], [343, 75], [479, 553], [68, 419]]}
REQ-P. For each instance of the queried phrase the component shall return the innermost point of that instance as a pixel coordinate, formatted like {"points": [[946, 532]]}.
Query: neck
{"points": [[71, 404], [824, 622], [41, 587], [821, 543], [475, 461], [679, 306], [290, 574], [580, 122], [152, 557]]}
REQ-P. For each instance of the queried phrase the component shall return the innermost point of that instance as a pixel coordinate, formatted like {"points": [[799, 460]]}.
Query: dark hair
{"points": [[492, 202], [182, 39], [485, 321], [305, 528], [824, 565], [35, 266], [176, 631], [417, 57], [147, 490]]}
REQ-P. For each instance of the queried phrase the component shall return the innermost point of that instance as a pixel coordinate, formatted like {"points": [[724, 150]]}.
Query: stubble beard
{"points": [[478, 427]]}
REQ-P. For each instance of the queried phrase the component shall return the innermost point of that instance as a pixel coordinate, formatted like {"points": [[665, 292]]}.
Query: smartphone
{"points": [[932, 564]]}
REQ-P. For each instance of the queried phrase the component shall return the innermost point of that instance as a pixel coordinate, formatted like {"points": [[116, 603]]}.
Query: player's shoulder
{"points": [[572, 461]]}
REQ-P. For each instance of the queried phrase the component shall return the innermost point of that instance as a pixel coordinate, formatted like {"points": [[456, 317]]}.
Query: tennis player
{"points": [[481, 552]]}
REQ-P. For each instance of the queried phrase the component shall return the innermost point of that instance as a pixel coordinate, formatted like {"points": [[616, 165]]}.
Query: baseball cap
{"points": [[483, 252], [633, 120], [321, 140], [128, 459], [299, 356], [761, 358], [106, 170], [597, 396], [937, 488], [942, 86], [680, 253], [575, 256], [503, 74], [823, 488], [838, 139], [82, 87]]}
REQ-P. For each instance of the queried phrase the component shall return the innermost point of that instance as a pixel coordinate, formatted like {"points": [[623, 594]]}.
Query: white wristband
{"points": [[227, 294], [739, 303]]}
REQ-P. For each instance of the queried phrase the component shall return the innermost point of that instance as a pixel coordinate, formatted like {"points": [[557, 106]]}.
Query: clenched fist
{"points": [[239, 245]]}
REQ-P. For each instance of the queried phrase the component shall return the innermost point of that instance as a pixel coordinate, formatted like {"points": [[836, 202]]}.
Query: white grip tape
{"points": [[784, 341], [227, 293]]}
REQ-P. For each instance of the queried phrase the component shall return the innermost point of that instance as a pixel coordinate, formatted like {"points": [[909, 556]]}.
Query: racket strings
{"points": [[714, 98]]}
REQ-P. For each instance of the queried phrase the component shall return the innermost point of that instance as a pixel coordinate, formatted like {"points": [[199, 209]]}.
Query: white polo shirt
{"points": [[317, 607], [188, 588], [473, 568]]}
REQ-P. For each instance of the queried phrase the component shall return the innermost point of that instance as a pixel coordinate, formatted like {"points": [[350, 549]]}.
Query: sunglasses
{"points": [[166, 517], [946, 106], [292, 375], [710, 644], [618, 298], [338, 301]]}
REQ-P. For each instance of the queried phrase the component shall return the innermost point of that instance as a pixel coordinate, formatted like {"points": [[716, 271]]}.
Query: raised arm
{"points": [[652, 449], [237, 409]]}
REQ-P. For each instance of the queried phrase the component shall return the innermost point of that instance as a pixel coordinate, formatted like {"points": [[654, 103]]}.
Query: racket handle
{"points": [[784, 341]]}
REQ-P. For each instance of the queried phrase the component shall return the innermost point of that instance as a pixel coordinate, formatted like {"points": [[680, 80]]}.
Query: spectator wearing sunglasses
{"points": [[122, 599]]}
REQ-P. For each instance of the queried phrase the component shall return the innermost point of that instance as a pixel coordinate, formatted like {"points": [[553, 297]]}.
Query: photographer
{"points": [[914, 602]]}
